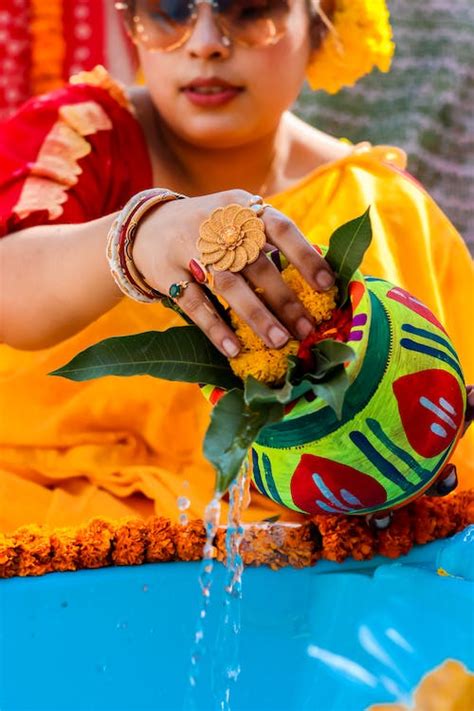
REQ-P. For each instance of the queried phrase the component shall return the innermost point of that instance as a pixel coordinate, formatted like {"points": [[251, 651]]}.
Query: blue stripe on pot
{"points": [[388, 469], [256, 474], [267, 468], [376, 429], [408, 328], [434, 352]]}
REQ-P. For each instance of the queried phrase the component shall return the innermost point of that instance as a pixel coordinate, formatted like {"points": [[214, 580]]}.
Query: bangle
{"points": [[120, 242]]}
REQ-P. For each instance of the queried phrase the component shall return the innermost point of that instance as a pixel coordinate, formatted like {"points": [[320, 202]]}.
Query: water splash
{"points": [[183, 505], [225, 666], [229, 629], [211, 522]]}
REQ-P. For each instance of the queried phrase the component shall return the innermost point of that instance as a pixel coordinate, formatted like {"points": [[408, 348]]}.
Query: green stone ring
{"points": [[177, 289]]}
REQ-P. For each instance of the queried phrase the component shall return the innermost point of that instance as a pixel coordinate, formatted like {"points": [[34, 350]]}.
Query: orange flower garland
{"points": [[34, 550], [48, 47]]}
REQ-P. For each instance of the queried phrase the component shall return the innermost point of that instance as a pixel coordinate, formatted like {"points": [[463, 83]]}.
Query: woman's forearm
{"points": [[54, 281]]}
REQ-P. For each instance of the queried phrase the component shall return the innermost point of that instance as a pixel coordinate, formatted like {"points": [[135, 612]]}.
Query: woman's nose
{"points": [[207, 40]]}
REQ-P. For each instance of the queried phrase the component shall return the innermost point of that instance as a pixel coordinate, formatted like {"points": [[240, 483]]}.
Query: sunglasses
{"points": [[165, 25]]}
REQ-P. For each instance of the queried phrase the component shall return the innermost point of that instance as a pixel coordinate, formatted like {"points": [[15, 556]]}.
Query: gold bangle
{"points": [[120, 242]]}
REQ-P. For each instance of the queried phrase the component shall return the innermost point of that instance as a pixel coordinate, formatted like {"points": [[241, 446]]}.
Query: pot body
{"points": [[402, 417]]}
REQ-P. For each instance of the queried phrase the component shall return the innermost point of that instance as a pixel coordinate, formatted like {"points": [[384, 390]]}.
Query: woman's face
{"points": [[264, 81]]}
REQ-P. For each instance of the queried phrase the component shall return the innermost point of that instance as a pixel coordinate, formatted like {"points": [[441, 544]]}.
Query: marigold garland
{"points": [[359, 39], [48, 47], [35, 550]]}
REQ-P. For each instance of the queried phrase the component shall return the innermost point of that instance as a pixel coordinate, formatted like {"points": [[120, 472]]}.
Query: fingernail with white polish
{"points": [[324, 280], [231, 348], [277, 336], [303, 327]]}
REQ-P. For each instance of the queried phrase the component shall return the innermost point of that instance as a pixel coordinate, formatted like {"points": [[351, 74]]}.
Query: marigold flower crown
{"points": [[359, 38]]}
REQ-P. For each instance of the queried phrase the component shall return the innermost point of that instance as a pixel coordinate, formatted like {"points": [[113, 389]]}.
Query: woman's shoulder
{"points": [[312, 148]]}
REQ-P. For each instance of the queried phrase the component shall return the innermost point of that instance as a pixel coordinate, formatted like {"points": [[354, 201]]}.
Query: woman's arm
{"points": [[54, 281]]}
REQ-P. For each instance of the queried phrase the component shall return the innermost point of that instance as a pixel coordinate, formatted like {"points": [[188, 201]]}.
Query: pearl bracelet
{"points": [[120, 242]]}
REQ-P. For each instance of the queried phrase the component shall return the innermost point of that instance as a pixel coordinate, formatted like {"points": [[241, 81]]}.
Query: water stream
{"points": [[225, 665]]}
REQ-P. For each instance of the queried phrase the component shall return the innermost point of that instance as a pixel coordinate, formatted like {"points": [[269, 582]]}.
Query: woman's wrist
{"points": [[120, 242]]}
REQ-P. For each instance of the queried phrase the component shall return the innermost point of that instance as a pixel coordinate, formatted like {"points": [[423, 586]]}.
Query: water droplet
{"points": [[183, 503]]}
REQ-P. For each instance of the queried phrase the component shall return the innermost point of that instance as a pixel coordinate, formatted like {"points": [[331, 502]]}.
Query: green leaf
{"points": [[329, 355], [333, 390], [181, 353], [233, 428], [347, 247]]}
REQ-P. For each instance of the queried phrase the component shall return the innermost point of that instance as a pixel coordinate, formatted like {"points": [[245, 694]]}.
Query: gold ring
{"points": [[231, 238], [176, 289]]}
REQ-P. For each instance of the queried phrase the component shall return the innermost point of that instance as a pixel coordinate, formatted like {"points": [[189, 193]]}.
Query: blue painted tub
{"points": [[329, 638]]}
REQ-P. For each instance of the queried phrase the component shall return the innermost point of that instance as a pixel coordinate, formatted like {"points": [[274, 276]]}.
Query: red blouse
{"points": [[71, 156]]}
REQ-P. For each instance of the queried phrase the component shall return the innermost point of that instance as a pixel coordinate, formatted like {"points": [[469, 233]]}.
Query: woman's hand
{"points": [[166, 242]]}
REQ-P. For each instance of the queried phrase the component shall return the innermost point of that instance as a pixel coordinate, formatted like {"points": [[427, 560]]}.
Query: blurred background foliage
{"points": [[425, 104]]}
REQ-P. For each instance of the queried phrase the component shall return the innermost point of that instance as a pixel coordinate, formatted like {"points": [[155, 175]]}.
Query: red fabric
{"points": [[107, 180], [15, 55], [84, 31]]}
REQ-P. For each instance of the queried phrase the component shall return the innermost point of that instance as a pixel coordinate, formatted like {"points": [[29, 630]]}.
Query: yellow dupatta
{"points": [[116, 446]]}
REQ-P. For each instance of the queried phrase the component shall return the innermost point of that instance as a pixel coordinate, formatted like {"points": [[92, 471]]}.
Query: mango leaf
{"points": [[333, 390], [233, 428], [181, 353], [330, 354], [347, 247], [256, 393]]}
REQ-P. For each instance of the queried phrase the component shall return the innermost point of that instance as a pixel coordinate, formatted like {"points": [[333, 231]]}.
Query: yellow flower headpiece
{"points": [[359, 38]]}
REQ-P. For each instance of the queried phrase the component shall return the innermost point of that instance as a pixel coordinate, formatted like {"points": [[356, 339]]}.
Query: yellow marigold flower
{"points": [[269, 365], [319, 304], [265, 364], [360, 39]]}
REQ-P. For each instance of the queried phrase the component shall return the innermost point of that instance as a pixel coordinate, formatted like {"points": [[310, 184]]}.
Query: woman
{"points": [[213, 124]]}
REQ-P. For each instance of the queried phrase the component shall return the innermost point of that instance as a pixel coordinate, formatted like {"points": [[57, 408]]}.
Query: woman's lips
{"points": [[216, 98]]}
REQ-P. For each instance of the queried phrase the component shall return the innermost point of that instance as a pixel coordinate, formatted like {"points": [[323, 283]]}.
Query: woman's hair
{"points": [[318, 26]]}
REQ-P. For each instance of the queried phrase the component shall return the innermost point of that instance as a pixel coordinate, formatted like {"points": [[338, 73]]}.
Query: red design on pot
{"points": [[403, 297], [356, 292], [320, 485], [431, 409]]}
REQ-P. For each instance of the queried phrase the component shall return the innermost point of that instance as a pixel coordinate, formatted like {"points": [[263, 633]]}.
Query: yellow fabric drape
{"points": [[115, 446]]}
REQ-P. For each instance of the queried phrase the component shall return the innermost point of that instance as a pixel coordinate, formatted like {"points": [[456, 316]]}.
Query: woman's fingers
{"points": [[246, 303], [285, 235], [264, 276], [194, 302]]}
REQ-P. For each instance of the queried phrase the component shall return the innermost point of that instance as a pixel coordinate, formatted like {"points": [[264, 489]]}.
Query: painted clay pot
{"points": [[402, 417]]}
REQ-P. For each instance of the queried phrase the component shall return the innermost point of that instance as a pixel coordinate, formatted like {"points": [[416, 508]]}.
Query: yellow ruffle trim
{"points": [[100, 77], [56, 168], [48, 47], [359, 39], [35, 550]]}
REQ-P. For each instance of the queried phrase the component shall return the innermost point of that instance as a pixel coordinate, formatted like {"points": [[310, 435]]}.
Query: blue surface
{"points": [[328, 638]]}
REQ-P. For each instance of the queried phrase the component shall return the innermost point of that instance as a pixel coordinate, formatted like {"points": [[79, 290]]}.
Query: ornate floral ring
{"points": [[231, 238], [177, 288]]}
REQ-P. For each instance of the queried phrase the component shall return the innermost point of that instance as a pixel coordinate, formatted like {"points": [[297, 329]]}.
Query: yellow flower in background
{"points": [[269, 365], [359, 39], [449, 687]]}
